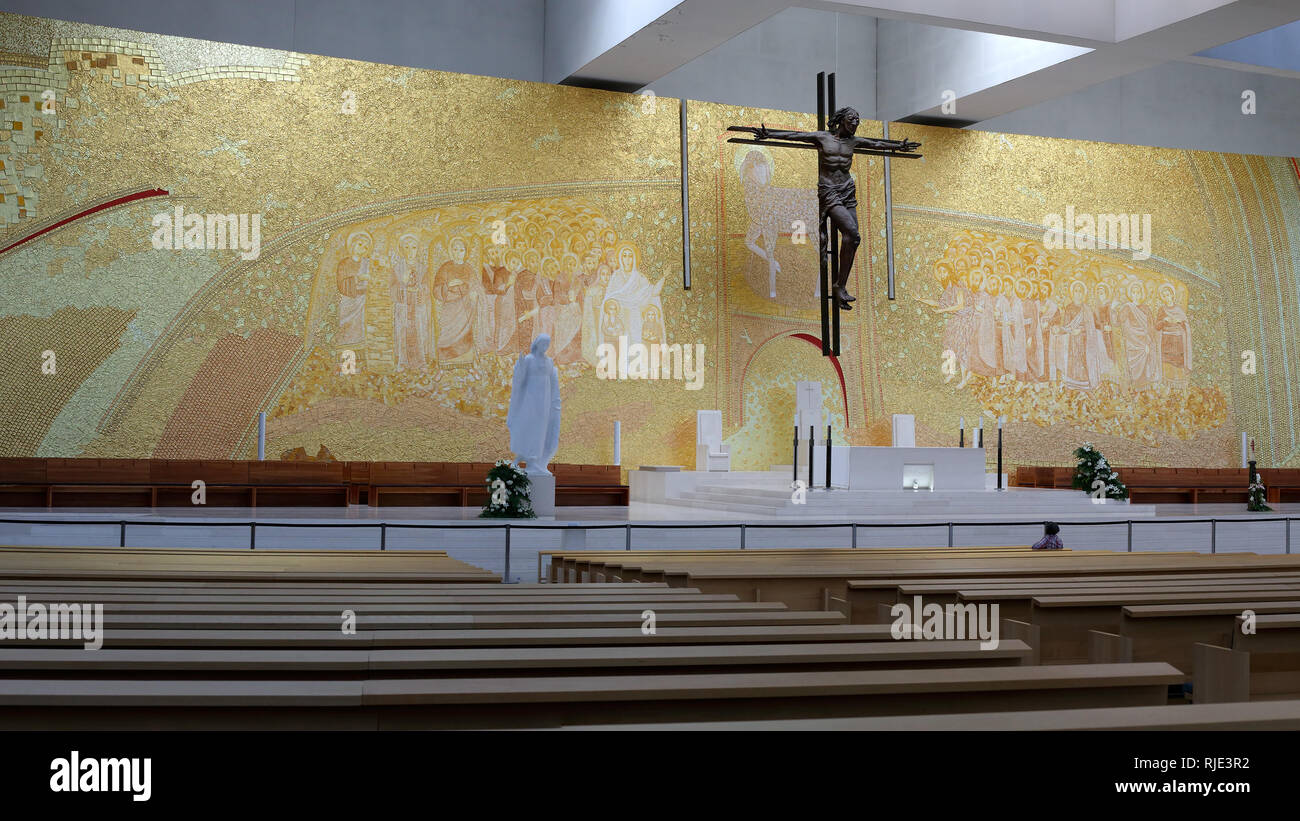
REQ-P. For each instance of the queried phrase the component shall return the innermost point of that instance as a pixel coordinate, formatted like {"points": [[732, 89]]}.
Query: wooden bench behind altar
{"points": [[1177, 485], [40, 482]]}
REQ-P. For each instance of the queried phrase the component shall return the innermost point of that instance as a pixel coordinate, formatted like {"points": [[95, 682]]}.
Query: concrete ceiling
{"points": [[1111, 38]]}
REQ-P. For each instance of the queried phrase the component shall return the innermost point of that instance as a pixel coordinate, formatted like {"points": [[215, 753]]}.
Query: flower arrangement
{"points": [[508, 497], [1095, 476], [1258, 496]]}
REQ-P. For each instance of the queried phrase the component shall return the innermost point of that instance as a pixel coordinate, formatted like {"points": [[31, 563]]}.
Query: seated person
{"points": [[1050, 540]]}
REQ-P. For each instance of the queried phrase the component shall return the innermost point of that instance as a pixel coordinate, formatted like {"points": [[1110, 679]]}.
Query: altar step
{"points": [[774, 498]]}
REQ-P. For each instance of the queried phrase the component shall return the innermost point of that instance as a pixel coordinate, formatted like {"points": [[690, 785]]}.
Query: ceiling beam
{"points": [[1178, 40]]}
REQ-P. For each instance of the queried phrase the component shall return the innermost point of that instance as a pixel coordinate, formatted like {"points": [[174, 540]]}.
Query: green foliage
{"points": [[1258, 496], [508, 498], [1092, 468]]}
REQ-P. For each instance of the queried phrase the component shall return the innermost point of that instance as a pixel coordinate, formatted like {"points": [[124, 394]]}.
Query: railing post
{"points": [[627, 537], [855, 535], [383, 535], [1288, 535], [252, 535], [950, 534], [121, 536], [1130, 535], [1214, 527], [505, 577], [742, 537]]}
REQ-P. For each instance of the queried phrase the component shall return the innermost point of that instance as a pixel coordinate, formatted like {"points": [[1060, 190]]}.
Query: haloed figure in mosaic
{"points": [[836, 191], [352, 275]]}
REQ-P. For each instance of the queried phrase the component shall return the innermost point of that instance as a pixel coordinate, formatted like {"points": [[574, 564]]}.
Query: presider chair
{"points": [[710, 453]]}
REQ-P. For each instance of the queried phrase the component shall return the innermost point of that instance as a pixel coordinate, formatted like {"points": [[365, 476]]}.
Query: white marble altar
{"points": [[877, 468]]}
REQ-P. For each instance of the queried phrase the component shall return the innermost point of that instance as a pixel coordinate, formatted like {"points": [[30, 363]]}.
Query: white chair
{"points": [[710, 453]]}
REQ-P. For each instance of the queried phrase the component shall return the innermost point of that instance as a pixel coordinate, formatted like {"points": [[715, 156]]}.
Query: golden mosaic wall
{"points": [[503, 192], [1142, 351], [417, 227]]}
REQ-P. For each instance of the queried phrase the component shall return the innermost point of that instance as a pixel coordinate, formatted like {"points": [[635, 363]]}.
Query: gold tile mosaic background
{"points": [[415, 228]]}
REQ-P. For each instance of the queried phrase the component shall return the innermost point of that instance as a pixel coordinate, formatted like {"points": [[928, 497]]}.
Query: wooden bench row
{"points": [[591, 660], [244, 639], [1194, 623], [559, 700], [1207, 641], [84, 482], [1270, 715], [117, 565], [1232, 658], [1177, 485], [808, 579], [1065, 602], [616, 565]]}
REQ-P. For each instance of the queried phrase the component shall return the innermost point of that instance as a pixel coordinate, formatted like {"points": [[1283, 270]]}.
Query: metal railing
{"points": [[742, 528]]}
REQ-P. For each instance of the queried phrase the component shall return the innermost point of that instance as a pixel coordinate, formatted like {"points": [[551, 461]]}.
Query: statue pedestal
{"points": [[542, 495]]}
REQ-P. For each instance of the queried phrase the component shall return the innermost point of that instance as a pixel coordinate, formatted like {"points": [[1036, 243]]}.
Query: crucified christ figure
{"points": [[836, 193]]}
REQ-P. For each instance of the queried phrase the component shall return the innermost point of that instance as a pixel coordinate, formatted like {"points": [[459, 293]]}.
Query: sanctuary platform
{"points": [[770, 493]]}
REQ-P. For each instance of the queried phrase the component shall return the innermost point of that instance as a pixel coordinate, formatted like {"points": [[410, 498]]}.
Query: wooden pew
{"points": [[82, 482], [880, 586], [479, 637], [559, 700], [1066, 620], [1266, 715], [627, 617], [1219, 674], [214, 638], [1015, 601], [415, 483], [587, 485], [156, 564], [1274, 650], [802, 579], [373, 618], [272, 587], [804, 587], [809, 579], [574, 566], [490, 661], [1019, 591], [1178, 485], [1167, 632]]}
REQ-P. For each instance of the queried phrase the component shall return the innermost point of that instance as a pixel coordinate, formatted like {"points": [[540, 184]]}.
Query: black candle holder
{"points": [[999, 457]]}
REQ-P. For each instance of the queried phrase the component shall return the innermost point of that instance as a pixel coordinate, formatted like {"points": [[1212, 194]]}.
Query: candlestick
{"points": [[999, 454]]}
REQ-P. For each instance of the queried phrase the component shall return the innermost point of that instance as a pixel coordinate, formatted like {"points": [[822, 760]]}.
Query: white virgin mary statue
{"points": [[534, 416]]}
